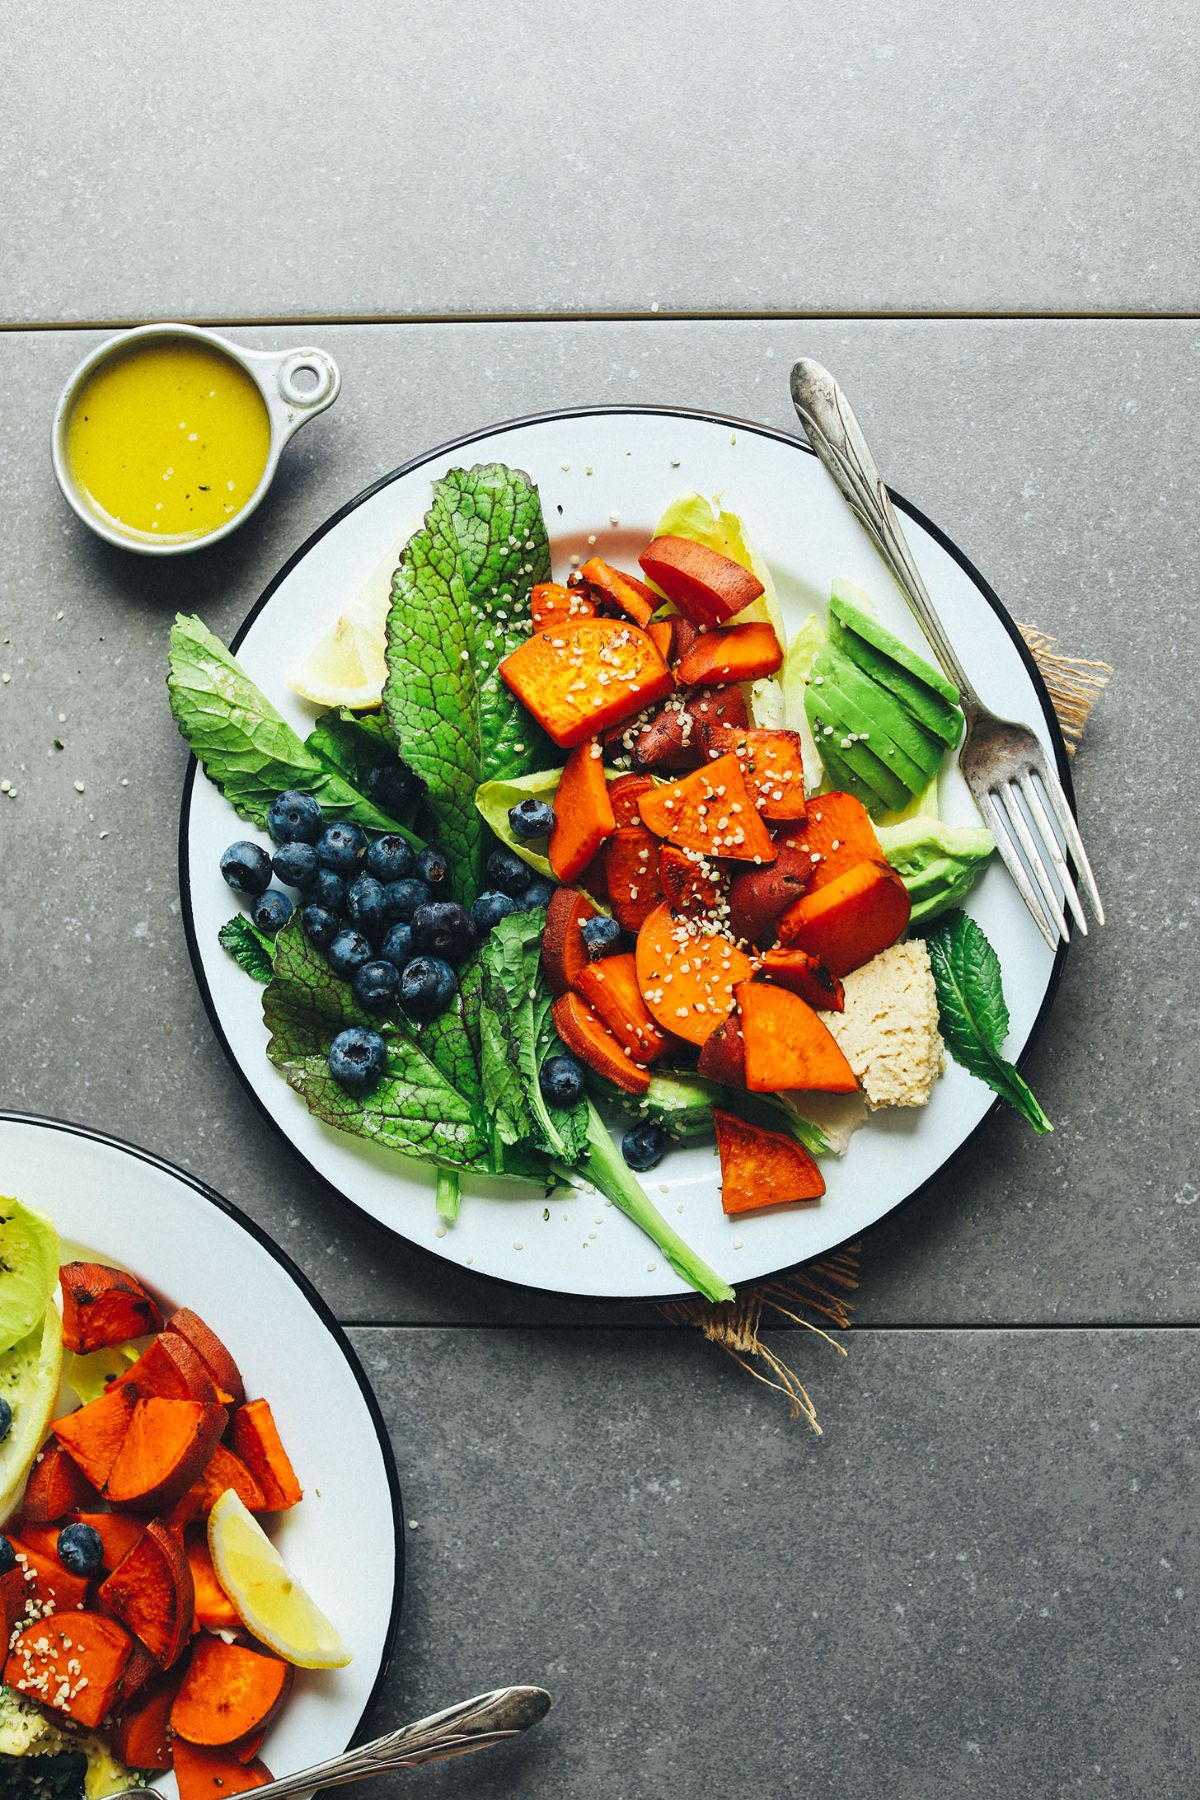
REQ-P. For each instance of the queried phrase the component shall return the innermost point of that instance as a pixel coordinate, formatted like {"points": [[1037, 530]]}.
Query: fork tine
{"points": [[1050, 839], [1011, 857], [1033, 857], [1070, 831]]}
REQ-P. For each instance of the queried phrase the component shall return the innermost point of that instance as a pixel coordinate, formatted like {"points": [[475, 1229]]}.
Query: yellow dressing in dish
{"points": [[169, 439]]}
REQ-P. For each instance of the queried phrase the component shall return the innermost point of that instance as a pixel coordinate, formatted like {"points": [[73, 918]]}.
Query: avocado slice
{"points": [[924, 690], [840, 750], [889, 718], [851, 719], [844, 778]]}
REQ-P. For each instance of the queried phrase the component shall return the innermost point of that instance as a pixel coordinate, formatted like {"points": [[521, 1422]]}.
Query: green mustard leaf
{"points": [[974, 1015], [516, 1034], [249, 947], [414, 1108], [460, 604], [244, 746]]}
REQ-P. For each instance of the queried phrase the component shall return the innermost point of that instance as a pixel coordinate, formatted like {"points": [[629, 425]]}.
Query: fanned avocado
{"points": [[923, 689], [889, 723], [859, 726], [844, 778], [842, 749]]}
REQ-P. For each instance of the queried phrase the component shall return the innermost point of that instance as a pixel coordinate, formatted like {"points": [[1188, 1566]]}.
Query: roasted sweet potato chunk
{"points": [[93, 1435], [583, 814], [586, 675], [165, 1450], [56, 1486], [552, 604], [70, 1662], [563, 950], [170, 1369], [227, 1692], [708, 588], [118, 1533], [13, 1597], [54, 1588], [671, 739], [805, 975], [151, 1592], [690, 883], [723, 1055], [709, 811], [586, 1036], [224, 1470], [738, 653], [140, 1670], [761, 1168], [772, 764], [624, 794], [835, 834], [140, 1736], [204, 1774], [634, 888], [757, 896], [851, 919], [255, 1438], [103, 1306], [610, 988], [214, 1608], [220, 1364], [787, 1045], [620, 592], [687, 975]]}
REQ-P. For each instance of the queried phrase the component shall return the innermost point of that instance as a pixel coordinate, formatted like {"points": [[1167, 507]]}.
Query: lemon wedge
{"points": [[348, 666], [269, 1600]]}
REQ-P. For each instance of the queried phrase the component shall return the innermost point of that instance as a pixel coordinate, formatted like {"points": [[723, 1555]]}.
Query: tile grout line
{"points": [[662, 316]]}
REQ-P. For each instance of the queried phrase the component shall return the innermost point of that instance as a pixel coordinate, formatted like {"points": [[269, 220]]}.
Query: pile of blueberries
{"points": [[375, 906]]}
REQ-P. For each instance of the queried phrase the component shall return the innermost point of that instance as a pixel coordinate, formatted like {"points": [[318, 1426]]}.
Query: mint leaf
{"points": [[460, 604], [413, 1109], [974, 1015], [249, 947], [516, 1035], [245, 747]]}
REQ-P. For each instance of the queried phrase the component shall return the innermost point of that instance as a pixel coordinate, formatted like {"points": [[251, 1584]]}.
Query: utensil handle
{"points": [[836, 436], [476, 1724]]}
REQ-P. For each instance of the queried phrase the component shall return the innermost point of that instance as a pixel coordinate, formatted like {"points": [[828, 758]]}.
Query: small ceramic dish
{"points": [[295, 385]]}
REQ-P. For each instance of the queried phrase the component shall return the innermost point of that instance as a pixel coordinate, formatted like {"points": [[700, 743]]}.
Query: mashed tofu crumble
{"points": [[888, 1032]]}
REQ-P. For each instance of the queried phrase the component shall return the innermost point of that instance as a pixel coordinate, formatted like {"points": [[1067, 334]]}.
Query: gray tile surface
{"points": [[1063, 459], [979, 1584], [380, 158]]}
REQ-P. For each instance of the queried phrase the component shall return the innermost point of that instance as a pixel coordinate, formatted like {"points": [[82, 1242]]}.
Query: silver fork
{"points": [[490, 1718], [1002, 763]]}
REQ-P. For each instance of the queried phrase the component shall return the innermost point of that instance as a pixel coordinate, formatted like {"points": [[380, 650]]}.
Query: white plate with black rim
{"points": [[605, 475], [192, 1248]]}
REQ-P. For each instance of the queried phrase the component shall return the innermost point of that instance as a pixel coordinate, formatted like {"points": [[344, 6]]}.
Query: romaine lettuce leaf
{"points": [[692, 516]]}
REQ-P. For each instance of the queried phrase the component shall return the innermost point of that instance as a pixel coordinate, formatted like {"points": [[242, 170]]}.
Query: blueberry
{"points": [[80, 1549], [366, 906], [426, 987], [320, 925], [508, 873], [357, 1057], [601, 936], [390, 858], [342, 847], [538, 893], [375, 984], [490, 908], [445, 928], [397, 946], [271, 911], [8, 1556], [530, 819], [434, 870], [348, 951], [329, 891], [393, 787], [644, 1146], [402, 898], [294, 818], [247, 867], [6, 1417], [562, 1081], [296, 865]]}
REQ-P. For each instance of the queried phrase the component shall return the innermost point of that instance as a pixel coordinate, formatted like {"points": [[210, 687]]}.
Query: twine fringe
{"points": [[1074, 684]]}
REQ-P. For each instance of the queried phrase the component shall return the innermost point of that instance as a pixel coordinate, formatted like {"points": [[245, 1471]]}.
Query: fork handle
{"points": [[835, 435]]}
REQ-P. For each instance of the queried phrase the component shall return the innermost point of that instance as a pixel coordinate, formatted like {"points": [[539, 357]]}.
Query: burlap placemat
{"points": [[822, 1289]]}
